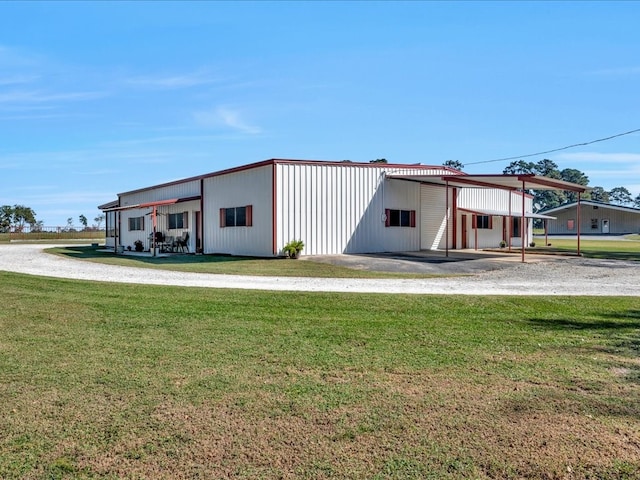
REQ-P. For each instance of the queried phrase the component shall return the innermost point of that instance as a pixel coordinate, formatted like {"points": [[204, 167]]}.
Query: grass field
{"points": [[619, 250], [53, 237], [122, 381], [226, 264]]}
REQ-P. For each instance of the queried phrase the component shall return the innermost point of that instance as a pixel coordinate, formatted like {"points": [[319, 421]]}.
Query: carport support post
{"points": [[510, 225], [522, 230], [578, 220]]}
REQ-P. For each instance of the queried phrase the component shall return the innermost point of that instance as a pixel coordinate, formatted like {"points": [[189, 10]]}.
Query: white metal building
{"points": [[333, 207], [595, 218]]}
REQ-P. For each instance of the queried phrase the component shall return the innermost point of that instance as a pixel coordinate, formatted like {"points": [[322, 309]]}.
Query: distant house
{"points": [[596, 218], [333, 207]]}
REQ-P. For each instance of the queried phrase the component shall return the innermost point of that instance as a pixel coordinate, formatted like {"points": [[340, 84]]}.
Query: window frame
{"points": [[134, 222], [395, 217], [482, 222], [229, 216], [172, 218]]}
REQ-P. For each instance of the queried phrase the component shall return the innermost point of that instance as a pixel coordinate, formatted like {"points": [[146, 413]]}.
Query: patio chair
{"points": [[182, 242]]}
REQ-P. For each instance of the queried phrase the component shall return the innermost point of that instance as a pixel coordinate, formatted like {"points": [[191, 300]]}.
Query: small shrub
{"points": [[532, 244], [138, 245], [293, 248], [503, 244]]}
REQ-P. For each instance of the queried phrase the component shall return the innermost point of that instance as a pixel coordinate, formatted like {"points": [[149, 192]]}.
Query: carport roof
{"points": [[505, 181], [504, 213]]}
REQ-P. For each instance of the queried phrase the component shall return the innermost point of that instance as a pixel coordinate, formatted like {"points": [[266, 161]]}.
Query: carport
{"points": [[509, 182]]}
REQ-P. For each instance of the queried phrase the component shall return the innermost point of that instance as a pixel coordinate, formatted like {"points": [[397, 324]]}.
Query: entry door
{"points": [[605, 225], [464, 231], [198, 223]]}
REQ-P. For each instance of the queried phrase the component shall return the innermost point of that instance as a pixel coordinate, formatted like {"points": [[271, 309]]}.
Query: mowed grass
{"points": [[120, 381], [628, 249], [227, 264]]}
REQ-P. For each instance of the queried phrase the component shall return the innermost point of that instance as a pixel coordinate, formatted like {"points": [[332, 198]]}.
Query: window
{"points": [[482, 221], [400, 218], [136, 223], [110, 225], [236, 216], [594, 224], [178, 220]]}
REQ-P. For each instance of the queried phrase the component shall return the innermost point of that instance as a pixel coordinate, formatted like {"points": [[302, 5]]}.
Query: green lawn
{"points": [[226, 264], [619, 250], [120, 381]]}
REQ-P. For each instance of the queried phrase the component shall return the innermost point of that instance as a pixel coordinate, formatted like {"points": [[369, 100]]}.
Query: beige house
{"points": [[593, 218]]}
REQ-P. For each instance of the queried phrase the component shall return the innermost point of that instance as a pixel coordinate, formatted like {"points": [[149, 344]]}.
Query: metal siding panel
{"points": [[237, 189], [181, 190], [338, 208], [433, 217]]}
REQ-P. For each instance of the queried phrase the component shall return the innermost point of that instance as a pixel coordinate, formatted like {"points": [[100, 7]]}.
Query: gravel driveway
{"points": [[544, 275]]}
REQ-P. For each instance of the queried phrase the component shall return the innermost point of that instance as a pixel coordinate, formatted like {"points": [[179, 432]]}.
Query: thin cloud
{"points": [[173, 81], [617, 72], [226, 117], [17, 79], [24, 96]]}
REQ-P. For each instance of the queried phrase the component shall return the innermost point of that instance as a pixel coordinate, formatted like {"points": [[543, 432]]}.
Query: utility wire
{"points": [[555, 150]]}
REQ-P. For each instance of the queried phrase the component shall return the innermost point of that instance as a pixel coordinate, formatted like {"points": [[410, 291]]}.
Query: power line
{"points": [[555, 150]]}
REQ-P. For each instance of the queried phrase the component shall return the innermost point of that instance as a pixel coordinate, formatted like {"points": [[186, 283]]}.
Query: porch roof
{"points": [[156, 203]]}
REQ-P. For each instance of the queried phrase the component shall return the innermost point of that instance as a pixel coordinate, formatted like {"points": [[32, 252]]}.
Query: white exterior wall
{"points": [[433, 219], [492, 199], [238, 189], [487, 238], [340, 208], [178, 190]]}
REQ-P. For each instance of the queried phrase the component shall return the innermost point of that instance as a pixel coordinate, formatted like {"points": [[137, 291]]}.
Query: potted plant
{"points": [[138, 245], [503, 244], [293, 248]]}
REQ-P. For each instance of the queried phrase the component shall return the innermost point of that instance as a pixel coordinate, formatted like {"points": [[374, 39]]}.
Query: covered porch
{"points": [[517, 184]]}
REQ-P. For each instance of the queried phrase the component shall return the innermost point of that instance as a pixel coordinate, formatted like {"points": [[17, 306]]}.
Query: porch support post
{"points": [[116, 226], [155, 227], [475, 231], [446, 219], [522, 229], [546, 232]]}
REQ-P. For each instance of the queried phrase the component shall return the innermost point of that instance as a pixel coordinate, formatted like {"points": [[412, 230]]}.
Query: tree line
{"points": [[545, 199], [17, 217]]}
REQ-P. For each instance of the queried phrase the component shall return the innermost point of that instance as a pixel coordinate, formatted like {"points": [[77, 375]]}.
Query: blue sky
{"points": [[98, 98]]}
